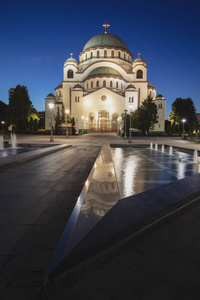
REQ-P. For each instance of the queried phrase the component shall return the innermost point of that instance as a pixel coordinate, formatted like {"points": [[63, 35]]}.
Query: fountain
{"points": [[163, 149], [170, 150], [156, 147], [195, 157], [1, 143], [151, 146], [180, 157], [13, 140]]}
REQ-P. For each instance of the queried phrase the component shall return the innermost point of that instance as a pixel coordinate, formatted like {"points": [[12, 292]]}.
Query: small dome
{"points": [[130, 86], [105, 39], [50, 95], [78, 86], [71, 59], [139, 59], [159, 96], [104, 71]]}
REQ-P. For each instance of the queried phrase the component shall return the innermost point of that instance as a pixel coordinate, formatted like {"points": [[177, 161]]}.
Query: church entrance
{"points": [[103, 120]]}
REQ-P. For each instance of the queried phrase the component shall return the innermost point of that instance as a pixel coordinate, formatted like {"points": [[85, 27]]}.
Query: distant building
{"points": [[10, 92], [105, 82]]}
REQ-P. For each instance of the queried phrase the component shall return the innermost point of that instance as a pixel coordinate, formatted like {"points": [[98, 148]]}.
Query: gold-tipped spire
{"points": [[106, 25], [71, 55], [139, 55]]}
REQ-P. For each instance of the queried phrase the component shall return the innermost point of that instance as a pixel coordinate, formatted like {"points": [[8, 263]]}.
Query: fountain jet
{"points": [[13, 140], [170, 150], [1, 143], [195, 157], [151, 146], [156, 147], [163, 149]]}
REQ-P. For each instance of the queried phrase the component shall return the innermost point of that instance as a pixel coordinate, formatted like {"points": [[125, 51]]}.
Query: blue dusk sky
{"points": [[36, 38]]}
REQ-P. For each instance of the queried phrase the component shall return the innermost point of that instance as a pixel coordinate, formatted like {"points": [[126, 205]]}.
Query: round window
{"points": [[103, 98]]}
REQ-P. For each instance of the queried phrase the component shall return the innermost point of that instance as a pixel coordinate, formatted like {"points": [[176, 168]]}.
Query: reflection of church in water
{"points": [[104, 83]]}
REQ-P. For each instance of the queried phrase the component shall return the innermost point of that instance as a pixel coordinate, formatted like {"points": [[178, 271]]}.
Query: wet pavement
{"points": [[37, 196]]}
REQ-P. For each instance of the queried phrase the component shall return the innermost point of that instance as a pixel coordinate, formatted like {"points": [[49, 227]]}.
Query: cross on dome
{"points": [[71, 54], [139, 55], [106, 25]]}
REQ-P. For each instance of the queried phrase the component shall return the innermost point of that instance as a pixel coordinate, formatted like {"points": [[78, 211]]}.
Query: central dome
{"points": [[105, 39]]}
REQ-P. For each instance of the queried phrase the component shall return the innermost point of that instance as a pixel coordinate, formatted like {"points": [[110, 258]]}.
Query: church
{"points": [[105, 83]]}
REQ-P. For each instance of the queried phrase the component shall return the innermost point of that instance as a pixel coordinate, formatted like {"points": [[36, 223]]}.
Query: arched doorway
{"points": [[92, 121], [114, 122], [103, 120]]}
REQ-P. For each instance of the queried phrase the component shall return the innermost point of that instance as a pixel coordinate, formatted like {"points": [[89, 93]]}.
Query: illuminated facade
{"points": [[104, 83]]}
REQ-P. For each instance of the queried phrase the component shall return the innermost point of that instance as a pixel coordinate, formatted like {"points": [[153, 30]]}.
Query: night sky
{"points": [[36, 38]]}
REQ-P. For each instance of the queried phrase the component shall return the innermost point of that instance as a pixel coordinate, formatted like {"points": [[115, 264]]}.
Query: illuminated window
{"points": [[97, 84], [139, 74], [104, 83], [110, 83], [112, 54], [70, 74], [98, 54], [105, 53]]}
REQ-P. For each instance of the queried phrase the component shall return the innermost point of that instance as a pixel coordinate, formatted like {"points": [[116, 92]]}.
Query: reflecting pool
{"points": [[140, 169]]}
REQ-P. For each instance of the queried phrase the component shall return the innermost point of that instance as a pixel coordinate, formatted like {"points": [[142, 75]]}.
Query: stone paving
{"points": [[36, 200]]}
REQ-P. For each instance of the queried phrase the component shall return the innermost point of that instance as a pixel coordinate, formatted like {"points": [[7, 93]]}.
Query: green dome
{"points": [[78, 86], [130, 86], [71, 59], [104, 71], [105, 39]]}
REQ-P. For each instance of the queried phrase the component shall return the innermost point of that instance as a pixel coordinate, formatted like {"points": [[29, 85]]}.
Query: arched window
{"points": [[117, 84], [112, 54], [119, 54], [92, 85], [86, 56], [104, 83], [139, 74], [87, 85], [98, 54], [121, 86], [105, 53], [97, 83], [70, 73], [110, 83], [124, 56], [91, 54]]}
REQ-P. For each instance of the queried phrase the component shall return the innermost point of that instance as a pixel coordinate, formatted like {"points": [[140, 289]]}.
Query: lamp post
{"points": [[183, 121], [87, 123], [125, 112], [130, 104], [67, 111], [82, 122], [2, 122], [51, 106]]}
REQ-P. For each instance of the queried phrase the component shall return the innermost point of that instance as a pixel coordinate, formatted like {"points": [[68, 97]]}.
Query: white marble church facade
{"points": [[102, 85]]}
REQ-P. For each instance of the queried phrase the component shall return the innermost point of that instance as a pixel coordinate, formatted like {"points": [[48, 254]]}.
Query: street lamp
{"points": [[183, 121], [67, 111], [2, 122], [51, 106], [130, 104], [87, 123], [125, 112], [82, 122]]}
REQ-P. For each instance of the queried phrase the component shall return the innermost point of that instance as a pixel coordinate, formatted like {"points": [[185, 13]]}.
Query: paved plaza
{"points": [[38, 192]]}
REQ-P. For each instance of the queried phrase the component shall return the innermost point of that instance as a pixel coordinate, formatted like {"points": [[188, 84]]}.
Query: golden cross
{"points": [[71, 54], [106, 25], [139, 54]]}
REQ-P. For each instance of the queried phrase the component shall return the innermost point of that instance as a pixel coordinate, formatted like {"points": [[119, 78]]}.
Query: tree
{"points": [[146, 116], [183, 109], [3, 113], [19, 108]]}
